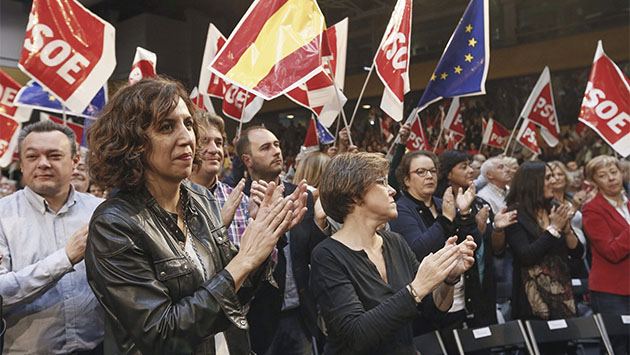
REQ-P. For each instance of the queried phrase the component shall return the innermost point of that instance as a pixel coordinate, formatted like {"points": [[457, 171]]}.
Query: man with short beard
{"points": [[282, 317], [49, 307]]}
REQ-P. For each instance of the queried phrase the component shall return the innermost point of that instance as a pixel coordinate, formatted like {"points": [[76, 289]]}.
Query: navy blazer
{"points": [[425, 239]]}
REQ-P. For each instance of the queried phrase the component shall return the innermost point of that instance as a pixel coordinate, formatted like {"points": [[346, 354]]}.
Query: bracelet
{"points": [[452, 283], [496, 229], [414, 294], [554, 231]]}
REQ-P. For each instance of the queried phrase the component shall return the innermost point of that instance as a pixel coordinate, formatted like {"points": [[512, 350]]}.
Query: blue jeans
{"points": [[608, 303]]}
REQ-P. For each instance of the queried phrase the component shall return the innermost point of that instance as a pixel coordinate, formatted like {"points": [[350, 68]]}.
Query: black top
{"points": [[363, 313], [530, 244]]}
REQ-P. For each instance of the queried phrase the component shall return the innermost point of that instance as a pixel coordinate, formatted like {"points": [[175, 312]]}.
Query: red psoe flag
{"points": [[495, 134], [239, 104], [8, 90], [143, 66], [417, 140], [453, 121], [527, 136], [209, 83], [202, 101], [274, 48], [541, 109], [392, 60], [9, 129], [69, 50], [311, 142], [386, 122], [606, 104]]}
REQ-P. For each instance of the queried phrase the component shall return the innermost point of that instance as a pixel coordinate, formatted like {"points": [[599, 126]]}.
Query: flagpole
{"points": [[409, 120], [356, 107], [65, 119], [240, 127], [343, 113], [337, 131], [441, 131], [512, 134]]}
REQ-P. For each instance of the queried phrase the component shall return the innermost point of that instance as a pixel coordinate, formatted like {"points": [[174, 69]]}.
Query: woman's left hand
{"points": [[466, 257], [465, 199], [504, 219]]}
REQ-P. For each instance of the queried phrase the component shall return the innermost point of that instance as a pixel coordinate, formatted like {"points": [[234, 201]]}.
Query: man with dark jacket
{"points": [[282, 316]]}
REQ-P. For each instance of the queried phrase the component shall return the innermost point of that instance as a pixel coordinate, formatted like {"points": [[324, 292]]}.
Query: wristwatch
{"points": [[553, 230], [414, 294]]}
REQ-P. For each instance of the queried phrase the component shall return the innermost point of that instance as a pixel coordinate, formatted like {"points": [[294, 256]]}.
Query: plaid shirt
{"points": [[221, 191]]}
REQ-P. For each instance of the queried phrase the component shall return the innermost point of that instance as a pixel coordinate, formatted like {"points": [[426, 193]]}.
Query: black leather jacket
{"points": [[155, 299]]}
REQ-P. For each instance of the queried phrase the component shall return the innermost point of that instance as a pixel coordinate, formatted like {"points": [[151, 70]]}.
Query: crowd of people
{"points": [[346, 252]]}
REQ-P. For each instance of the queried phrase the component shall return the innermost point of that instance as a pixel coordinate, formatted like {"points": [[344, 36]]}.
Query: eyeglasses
{"points": [[421, 172]]}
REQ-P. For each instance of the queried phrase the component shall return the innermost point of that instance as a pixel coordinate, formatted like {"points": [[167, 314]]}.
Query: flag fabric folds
{"points": [[527, 136], [77, 128], [274, 48], [453, 121], [144, 63], [238, 104], [202, 101], [540, 108], [318, 93], [605, 107], [495, 135], [8, 91], [325, 137], [417, 139], [386, 124], [463, 67], [9, 129], [35, 96], [69, 50], [311, 142], [392, 60]]}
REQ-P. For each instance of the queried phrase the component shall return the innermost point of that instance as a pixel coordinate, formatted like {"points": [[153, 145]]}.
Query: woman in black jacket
{"points": [[158, 256], [541, 241]]}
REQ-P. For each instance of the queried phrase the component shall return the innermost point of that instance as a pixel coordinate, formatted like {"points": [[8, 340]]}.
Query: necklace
{"points": [[190, 237]]}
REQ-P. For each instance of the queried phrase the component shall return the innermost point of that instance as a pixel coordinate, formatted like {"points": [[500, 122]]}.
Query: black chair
{"points": [[508, 335], [576, 329], [613, 325], [430, 344]]}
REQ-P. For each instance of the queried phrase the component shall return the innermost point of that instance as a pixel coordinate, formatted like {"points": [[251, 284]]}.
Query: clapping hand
{"points": [[465, 199]]}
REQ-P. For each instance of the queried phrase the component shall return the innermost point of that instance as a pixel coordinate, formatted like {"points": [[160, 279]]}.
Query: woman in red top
{"points": [[607, 224]]}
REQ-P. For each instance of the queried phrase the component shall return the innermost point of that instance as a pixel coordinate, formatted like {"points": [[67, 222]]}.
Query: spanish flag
{"points": [[274, 48]]}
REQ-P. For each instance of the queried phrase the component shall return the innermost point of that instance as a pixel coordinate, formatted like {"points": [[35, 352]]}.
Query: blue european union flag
{"points": [[325, 137], [34, 95], [463, 67]]}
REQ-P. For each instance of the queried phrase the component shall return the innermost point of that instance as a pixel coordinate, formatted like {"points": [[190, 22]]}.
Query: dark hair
{"points": [[403, 168], [48, 126], [242, 146], [527, 190], [118, 141], [346, 180], [448, 160]]}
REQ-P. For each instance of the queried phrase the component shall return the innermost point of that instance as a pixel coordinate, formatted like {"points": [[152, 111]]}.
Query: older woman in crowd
{"points": [[367, 282], [158, 256], [607, 225]]}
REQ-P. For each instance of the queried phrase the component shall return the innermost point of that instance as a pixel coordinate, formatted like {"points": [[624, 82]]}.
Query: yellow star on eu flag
{"points": [[468, 58], [51, 98], [472, 42], [469, 28], [433, 77], [458, 69], [443, 76]]}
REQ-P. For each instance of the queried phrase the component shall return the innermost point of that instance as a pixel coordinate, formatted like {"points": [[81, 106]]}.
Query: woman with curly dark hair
{"points": [[158, 256]]}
